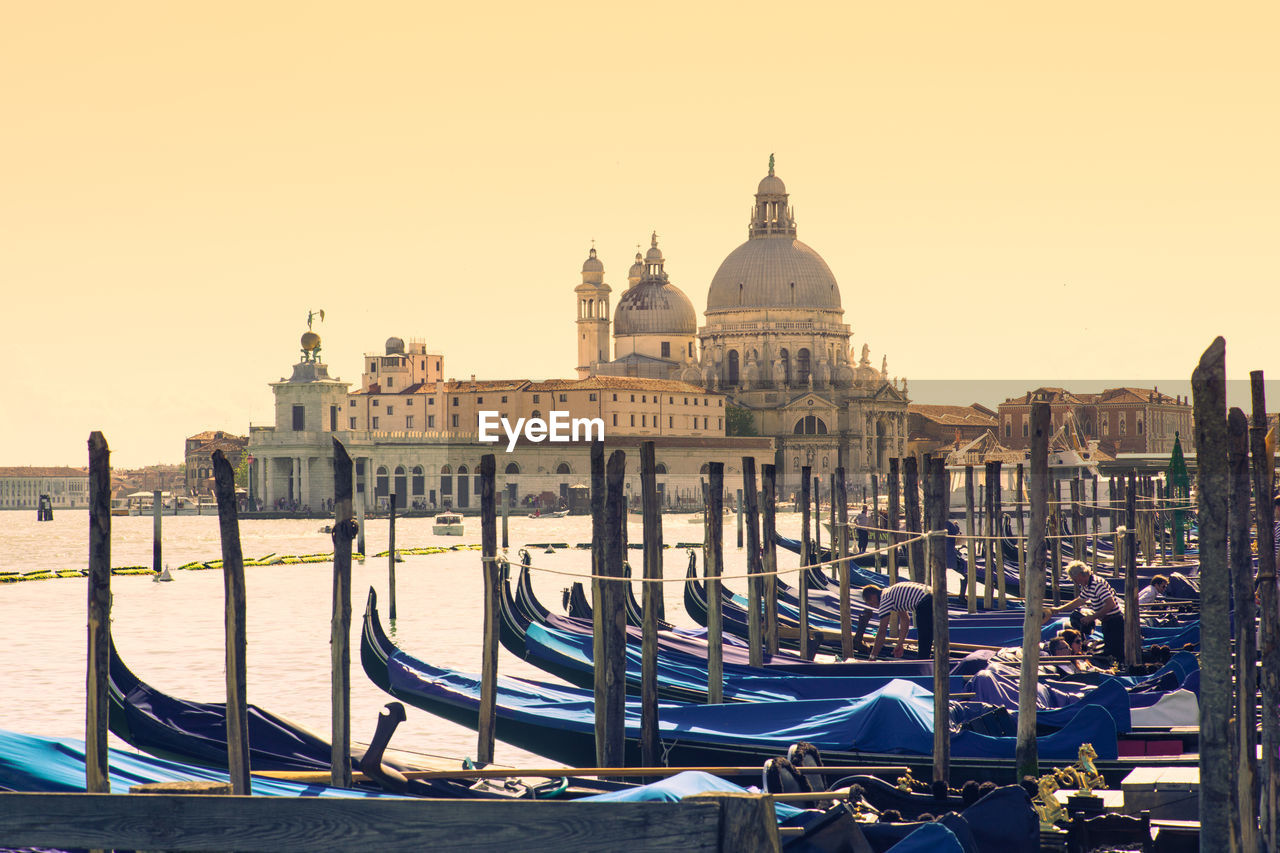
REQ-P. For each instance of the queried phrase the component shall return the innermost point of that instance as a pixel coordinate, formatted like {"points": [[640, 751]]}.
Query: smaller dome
{"points": [[771, 184], [395, 346], [654, 308], [637, 270], [592, 263], [654, 255]]}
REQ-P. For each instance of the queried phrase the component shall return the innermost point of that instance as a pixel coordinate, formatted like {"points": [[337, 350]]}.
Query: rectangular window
{"points": [[391, 410], [408, 422], [615, 420], [479, 400], [455, 421], [431, 421], [719, 423], [633, 398], [690, 349], [391, 381], [720, 402], [504, 398], [615, 398], [455, 401], [666, 349], [591, 398], [633, 420], [644, 420], [686, 401], [373, 367], [704, 423], [299, 418], [353, 401], [333, 418], [409, 402], [353, 423], [431, 401], [564, 398], [671, 422], [535, 397], [375, 423], [671, 400]]}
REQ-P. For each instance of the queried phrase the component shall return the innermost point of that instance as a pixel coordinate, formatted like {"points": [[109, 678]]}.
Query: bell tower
{"points": [[592, 298]]}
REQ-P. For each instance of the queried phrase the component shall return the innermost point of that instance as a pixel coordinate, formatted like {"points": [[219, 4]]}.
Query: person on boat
{"points": [[860, 525], [1098, 595], [902, 601], [1153, 590]]}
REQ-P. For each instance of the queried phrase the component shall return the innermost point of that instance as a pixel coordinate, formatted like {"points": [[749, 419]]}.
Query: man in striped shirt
{"points": [[901, 601], [1097, 594]]}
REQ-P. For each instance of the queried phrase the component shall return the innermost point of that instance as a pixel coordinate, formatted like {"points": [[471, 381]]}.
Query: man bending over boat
{"points": [[1098, 595], [901, 601]]}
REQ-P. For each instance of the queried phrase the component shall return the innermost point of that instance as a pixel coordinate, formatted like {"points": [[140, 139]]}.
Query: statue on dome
{"points": [[866, 354], [771, 163], [311, 315]]}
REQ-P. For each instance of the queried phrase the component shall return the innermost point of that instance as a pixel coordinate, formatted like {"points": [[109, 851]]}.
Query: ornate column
{"points": [[304, 480]]}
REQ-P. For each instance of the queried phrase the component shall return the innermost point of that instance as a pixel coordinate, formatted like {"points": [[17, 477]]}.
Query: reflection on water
{"points": [[171, 634]]}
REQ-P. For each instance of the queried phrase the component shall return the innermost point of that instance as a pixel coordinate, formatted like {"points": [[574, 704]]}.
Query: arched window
{"points": [[402, 486], [382, 484], [784, 358], [537, 415], [705, 469], [733, 367], [563, 468], [419, 481], [810, 425], [445, 469], [512, 468], [462, 469], [660, 468], [802, 367]]}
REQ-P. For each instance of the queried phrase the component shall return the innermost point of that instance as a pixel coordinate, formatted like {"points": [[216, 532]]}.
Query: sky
{"points": [[1004, 190]]}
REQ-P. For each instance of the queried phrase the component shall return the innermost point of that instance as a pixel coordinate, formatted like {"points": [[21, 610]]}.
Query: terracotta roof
{"points": [[210, 434], [952, 415], [43, 471]]}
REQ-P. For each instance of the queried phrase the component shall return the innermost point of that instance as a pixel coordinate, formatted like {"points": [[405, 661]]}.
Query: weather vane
{"points": [[312, 314]]}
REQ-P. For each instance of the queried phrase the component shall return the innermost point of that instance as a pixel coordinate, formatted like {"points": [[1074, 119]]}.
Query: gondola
{"points": [[887, 727]]}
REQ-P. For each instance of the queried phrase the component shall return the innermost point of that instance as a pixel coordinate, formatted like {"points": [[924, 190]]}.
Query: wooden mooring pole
{"points": [[340, 623], [99, 601], [1264, 519], [611, 709], [360, 528], [807, 553], [391, 558], [971, 575], [839, 496], [768, 474], [876, 536], [224, 486], [1022, 531], [713, 567], [157, 507], [506, 511], [489, 648], [738, 509], [997, 530], [894, 539], [817, 519], [1245, 623], [1027, 757], [652, 591], [911, 498], [1095, 513], [1208, 389], [755, 628], [599, 524], [936, 496], [1132, 622]]}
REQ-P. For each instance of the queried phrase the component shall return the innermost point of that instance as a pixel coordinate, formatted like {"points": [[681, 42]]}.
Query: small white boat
{"points": [[447, 524], [556, 514]]}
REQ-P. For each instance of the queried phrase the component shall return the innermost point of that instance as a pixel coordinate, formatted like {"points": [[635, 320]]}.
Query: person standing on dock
{"points": [[1097, 594], [860, 525], [902, 600]]}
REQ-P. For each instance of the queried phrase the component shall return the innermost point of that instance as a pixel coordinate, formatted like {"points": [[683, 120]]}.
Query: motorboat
{"points": [[447, 524]]}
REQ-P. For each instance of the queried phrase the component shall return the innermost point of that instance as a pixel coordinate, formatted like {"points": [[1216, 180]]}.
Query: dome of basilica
{"points": [[654, 306]]}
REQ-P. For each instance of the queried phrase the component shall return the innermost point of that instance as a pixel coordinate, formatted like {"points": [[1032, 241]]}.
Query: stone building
{"points": [[931, 428], [1121, 420], [774, 343], [198, 453], [21, 487]]}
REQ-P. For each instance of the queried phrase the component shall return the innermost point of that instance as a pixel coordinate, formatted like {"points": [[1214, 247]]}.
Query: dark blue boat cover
{"points": [[675, 788], [897, 718]]}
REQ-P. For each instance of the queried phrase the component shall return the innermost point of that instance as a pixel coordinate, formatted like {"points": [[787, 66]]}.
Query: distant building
{"points": [[198, 455], [413, 434], [1121, 420], [931, 428], [21, 487]]}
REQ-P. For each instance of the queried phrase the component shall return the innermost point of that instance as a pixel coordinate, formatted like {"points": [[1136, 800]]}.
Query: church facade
{"points": [[774, 342]]}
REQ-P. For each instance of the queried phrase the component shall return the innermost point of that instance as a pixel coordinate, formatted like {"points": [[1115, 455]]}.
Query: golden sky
{"points": [[1002, 189]]}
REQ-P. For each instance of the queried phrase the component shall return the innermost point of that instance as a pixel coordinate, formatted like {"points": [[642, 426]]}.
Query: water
{"points": [[171, 634]]}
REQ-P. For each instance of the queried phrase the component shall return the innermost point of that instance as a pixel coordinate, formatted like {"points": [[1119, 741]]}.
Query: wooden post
{"points": [[157, 505], [807, 554], [1095, 512], [817, 520], [1027, 757], [489, 641], [893, 519], [971, 581], [360, 527], [1022, 532], [224, 478], [99, 602], [611, 708], [842, 524], [1132, 622], [937, 496], [739, 511], [875, 519], [911, 498], [506, 510], [599, 524], [712, 569], [1077, 540], [1160, 516], [391, 558], [768, 474], [997, 530], [340, 623], [1208, 388], [991, 560], [755, 639], [1264, 519], [1055, 527], [1245, 623], [649, 755]]}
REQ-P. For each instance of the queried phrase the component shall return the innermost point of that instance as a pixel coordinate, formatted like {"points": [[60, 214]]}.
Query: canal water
{"points": [[171, 634]]}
